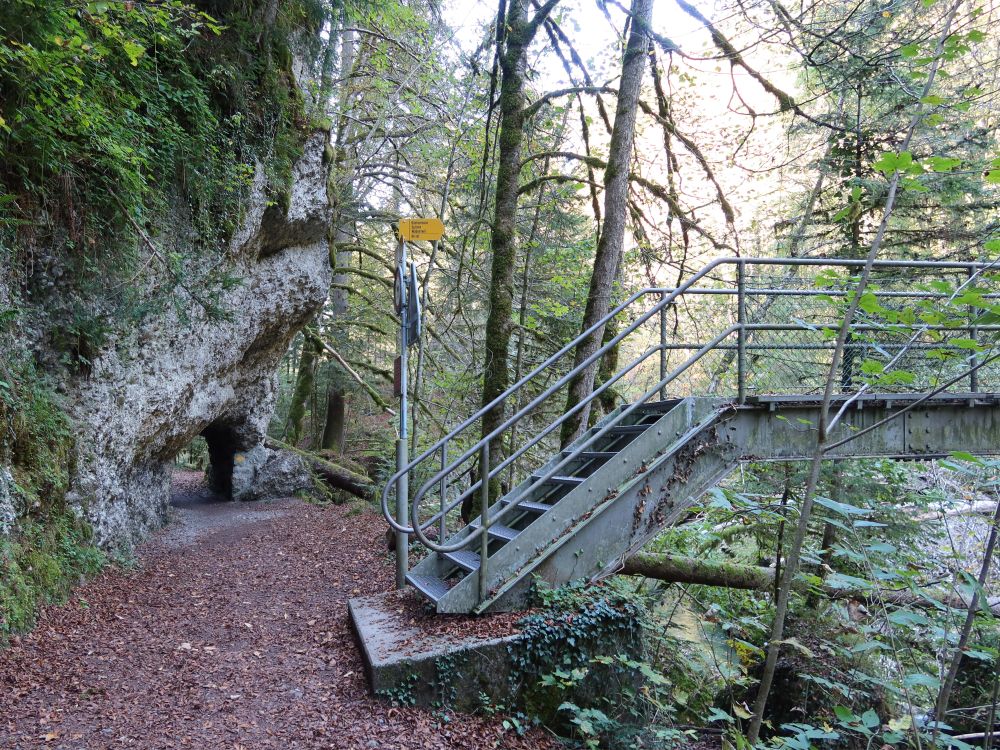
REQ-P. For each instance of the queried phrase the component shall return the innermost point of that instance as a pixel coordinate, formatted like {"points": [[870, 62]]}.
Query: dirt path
{"points": [[231, 632]]}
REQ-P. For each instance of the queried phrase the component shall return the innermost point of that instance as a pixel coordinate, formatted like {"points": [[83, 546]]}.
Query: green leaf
{"points": [[906, 617], [842, 508], [872, 367], [942, 163], [918, 679], [964, 456], [932, 99], [134, 50], [890, 163], [797, 645], [963, 343], [881, 548], [869, 303], [870, 719], [909, 50], [741, 712], [844, 581], [717, 714], [844, 714], [992, 177], [843, 213]]}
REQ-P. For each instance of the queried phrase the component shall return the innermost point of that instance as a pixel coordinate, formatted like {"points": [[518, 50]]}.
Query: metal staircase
{"points": [[577, 512]]}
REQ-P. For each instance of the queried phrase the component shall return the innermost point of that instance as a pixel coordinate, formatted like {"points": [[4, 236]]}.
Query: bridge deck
{"points": [[875, 399]]}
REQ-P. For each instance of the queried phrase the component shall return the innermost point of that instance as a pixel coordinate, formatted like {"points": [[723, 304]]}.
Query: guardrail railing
{"points": [[919, 323]]}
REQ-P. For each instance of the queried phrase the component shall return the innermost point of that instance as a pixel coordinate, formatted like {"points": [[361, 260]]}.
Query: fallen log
{"points": [[333, 474], [682, 569]]}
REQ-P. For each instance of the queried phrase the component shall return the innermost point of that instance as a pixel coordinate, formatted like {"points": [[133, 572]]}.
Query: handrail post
{"points": [[443, 530], [741, 334], [484, 517], [402, 457], [402, 514], [663, 347], [974, 335]]}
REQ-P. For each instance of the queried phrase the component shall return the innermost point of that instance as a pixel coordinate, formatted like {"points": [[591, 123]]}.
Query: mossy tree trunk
{"points": [[520, 30], [335, 423], [609, 247], [343, 231], [305, 379]]}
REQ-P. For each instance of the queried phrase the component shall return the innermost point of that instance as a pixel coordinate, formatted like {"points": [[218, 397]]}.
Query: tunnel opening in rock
{"points": [[222, 445], [189, 485]]}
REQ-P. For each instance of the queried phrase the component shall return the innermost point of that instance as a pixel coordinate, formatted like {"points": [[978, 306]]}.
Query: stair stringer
{"points": [[518, 557], [658, 497]]}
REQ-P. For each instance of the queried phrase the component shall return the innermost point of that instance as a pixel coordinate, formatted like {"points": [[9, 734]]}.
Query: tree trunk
{"points": [[682, 569], [304, 381], [333, 427], [341, 193], [944, 696], [513, 62], [609, 247]]}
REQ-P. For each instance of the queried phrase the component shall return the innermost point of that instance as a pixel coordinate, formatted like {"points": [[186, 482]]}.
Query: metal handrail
{"points": [[667, 297], [530, 376]]}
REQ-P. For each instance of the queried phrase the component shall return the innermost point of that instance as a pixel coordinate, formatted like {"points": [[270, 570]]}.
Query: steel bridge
{"points": [[728, 367]]}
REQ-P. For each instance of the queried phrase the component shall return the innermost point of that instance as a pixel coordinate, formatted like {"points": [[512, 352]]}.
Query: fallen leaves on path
{"points": [[232, 634]]}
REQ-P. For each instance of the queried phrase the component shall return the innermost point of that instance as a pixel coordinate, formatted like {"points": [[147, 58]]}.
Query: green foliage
{"points": [[116, 115], [36, 441], [48, 549], [41, 564], [402, 694], [584, 668]]}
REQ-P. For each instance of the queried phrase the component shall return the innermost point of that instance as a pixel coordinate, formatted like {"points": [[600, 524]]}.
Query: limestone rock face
{"points": [[8, 506], [147, 396]]}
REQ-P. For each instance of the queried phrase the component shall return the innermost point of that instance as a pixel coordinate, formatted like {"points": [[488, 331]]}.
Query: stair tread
{"points": [[529, 505], [497, 530], [560, 479], [430, 586], [464, 558], [592, 455], [627, 429], [659, 407]]}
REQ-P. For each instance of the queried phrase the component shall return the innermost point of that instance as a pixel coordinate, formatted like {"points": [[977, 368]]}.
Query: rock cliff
{"points": [[214, 375], [191, 366]]}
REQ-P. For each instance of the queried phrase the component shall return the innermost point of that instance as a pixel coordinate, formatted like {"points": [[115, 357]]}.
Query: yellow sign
{"points": [[420, 229]]}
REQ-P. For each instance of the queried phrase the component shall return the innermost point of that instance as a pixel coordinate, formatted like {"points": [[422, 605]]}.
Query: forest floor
{"points": [[229, 631]]}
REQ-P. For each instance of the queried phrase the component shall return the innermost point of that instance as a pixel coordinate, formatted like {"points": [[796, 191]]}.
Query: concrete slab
{"points": [[428, 661]]}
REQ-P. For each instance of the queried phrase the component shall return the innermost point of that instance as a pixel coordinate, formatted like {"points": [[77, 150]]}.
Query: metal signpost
{"points": [[407, 300]]}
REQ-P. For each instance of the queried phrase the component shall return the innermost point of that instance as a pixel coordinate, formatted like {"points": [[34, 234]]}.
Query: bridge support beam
{"points": [[784, 429]]}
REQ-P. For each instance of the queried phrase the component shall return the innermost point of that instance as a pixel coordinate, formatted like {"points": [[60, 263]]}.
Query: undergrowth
{"points": [[41, 564], [48, 548]]}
